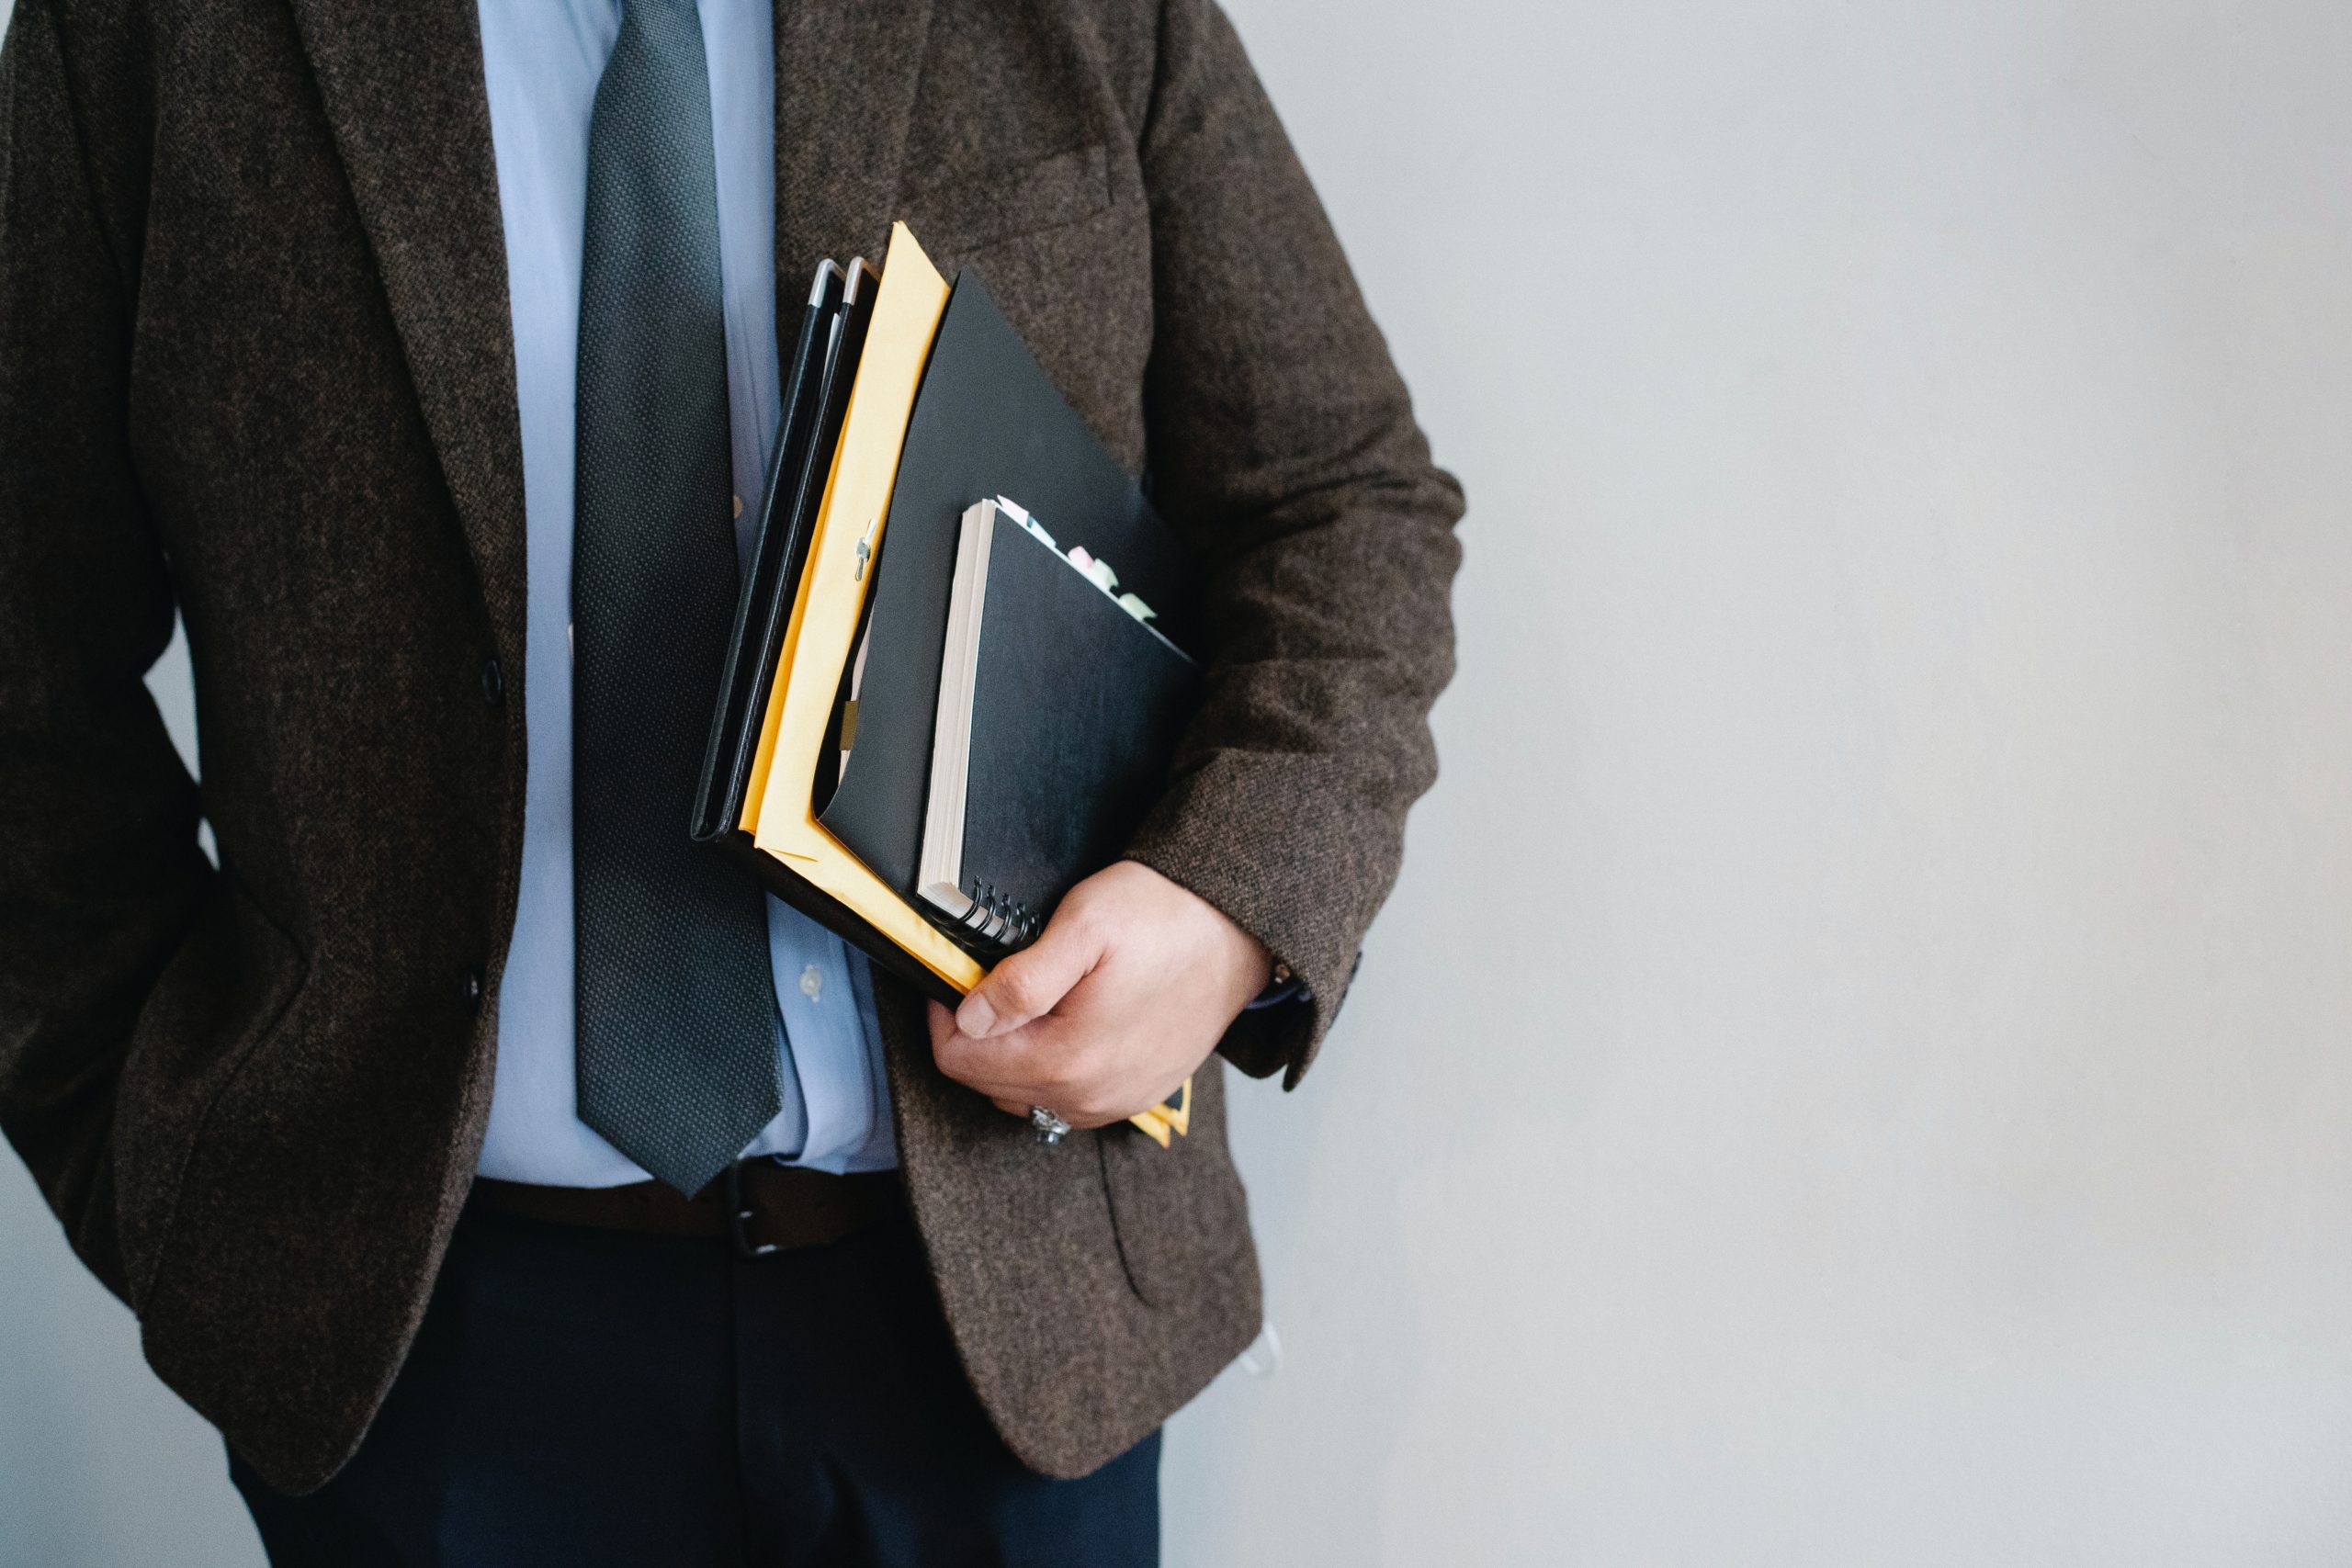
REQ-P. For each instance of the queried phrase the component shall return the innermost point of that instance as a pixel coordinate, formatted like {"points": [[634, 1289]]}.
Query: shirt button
{"points": [[473, 989], [813, 981], [493, 683]]}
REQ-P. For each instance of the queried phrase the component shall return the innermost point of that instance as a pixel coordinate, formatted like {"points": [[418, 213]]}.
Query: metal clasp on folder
{"points": [[865, 549]]}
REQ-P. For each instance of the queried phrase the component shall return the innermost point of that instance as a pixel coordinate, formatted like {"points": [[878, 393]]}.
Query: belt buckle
{"points": [[739, 1215]]}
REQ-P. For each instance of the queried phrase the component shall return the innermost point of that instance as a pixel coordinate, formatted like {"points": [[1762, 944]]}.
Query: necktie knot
{"points": [[662, 14]]}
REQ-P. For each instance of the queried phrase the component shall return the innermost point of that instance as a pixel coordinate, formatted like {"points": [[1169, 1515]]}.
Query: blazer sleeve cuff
{"points": [[1276, 860]]}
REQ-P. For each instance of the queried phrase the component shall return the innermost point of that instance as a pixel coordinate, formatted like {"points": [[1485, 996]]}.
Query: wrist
{"points": [[1280, 986]]}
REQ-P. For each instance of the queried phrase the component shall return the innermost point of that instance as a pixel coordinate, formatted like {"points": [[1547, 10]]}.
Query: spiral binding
{"points": [[997, 919]]}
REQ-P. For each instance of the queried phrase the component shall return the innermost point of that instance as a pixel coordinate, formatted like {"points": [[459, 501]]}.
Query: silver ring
{"points": [[1051, 1128]]}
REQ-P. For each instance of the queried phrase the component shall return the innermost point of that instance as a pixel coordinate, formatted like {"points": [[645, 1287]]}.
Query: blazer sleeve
{"points": [[1283, 444], [99, 870]]}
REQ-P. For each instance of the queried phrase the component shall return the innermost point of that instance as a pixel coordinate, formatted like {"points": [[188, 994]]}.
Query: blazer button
{"points": [[473, 989], [493, 683]]}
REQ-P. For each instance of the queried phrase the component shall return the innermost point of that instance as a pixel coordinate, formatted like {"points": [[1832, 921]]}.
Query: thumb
{"points": [[1031, 980]]}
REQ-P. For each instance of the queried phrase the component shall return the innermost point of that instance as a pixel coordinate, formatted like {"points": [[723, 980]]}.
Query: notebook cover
{"points": [[989, 422], [1076, 708]]}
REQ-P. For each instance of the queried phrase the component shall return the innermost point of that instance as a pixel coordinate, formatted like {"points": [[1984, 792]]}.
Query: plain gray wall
{"points": [[1854, 1071]]}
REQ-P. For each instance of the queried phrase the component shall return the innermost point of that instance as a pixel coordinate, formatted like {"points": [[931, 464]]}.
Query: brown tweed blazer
{"points": [[255, 364]]}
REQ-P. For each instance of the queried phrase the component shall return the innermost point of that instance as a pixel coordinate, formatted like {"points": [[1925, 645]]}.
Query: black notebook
{"points": [[1059, 707], [988, 421]]}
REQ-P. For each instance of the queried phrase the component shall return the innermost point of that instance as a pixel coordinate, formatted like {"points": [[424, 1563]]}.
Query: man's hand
{"points": [[1126, 994]]}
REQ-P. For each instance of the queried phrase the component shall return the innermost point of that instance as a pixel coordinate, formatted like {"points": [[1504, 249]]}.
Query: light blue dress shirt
{"points": [[542, 59]]}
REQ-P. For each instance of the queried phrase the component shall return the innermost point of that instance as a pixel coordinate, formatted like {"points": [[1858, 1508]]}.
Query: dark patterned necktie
{"points": [[677, 1057]]}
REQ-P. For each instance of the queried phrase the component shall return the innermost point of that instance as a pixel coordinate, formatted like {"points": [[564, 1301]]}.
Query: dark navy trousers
{"points": [[587, 1397]]}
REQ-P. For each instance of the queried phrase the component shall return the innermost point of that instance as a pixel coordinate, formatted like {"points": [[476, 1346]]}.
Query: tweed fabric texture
{"points": [[676, 1033], [254, 362]]}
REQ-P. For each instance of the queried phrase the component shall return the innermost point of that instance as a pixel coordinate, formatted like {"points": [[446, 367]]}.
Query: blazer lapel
{"points": [[846, 73], [402, 88]]}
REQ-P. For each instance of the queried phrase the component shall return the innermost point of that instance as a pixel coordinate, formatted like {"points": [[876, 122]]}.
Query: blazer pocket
{"points": [[226, 990], [1179, 1213], [959, 214]]}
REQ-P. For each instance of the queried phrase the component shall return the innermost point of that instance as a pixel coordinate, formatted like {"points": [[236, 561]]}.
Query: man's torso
{"points": [[323, 417]]}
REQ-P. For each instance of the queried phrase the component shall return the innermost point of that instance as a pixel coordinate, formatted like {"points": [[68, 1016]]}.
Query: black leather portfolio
{"points": [[987, 423], [1058, 708], [816, 395]]}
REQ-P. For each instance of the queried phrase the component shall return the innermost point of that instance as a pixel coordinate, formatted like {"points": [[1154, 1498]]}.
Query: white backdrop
{"points": [[1854, 1071]]}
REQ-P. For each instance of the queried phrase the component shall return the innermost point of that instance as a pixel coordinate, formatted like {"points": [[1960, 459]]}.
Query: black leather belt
{"points": [[760, 1207]]}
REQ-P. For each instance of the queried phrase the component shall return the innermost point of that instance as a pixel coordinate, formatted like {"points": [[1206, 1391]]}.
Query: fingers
{"points": [[1042, 1063], [977, 1066], [1033, 1064], [1077, 1097], [1083, 1122], [1029, 983], [969, 1061], [1012, 1068]]}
